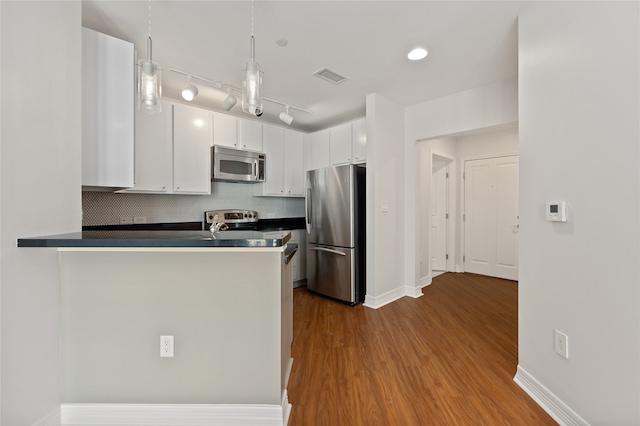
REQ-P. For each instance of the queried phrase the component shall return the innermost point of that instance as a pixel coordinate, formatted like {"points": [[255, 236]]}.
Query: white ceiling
{"points": [[470, 44]]}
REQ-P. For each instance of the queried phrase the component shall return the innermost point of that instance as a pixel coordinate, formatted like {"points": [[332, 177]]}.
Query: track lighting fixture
{"points": [[149, 80], [284, 116], [229, 101], [190, 91]]}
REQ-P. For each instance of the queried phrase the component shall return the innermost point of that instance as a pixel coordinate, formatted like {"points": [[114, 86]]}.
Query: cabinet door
{"points": [[191, 150], [359, 143], [250, 135], [153, 151], [225, 130], [340, 144], [318, 152], [294, 160], [107, 110], [273, 144]]}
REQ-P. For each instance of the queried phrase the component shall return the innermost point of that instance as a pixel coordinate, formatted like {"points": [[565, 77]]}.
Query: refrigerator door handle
{"points": [[307, 209], [328, 250]]}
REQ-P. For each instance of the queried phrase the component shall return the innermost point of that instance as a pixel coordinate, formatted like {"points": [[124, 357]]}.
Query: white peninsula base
{"points": [[229, 310]]}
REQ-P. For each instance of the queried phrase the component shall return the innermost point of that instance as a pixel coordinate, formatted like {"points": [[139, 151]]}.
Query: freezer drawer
{"points": [[331, 272]]}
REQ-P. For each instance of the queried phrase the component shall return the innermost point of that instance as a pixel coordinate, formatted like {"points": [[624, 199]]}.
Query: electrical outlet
{"points": [[126, 220], [561, 344], [166, 346], [140, 219]]}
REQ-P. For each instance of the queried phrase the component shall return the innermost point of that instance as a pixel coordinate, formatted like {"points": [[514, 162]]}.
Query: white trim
{"points": [[384, 299], [51, 419], [550, 403], [176, 414], [425, 281]]}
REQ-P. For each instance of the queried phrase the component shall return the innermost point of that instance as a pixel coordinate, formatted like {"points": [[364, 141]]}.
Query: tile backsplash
{"points": [[105, 208]]}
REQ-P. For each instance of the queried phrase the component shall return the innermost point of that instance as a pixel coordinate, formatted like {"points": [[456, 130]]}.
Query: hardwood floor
{"points": [[446, 358]]}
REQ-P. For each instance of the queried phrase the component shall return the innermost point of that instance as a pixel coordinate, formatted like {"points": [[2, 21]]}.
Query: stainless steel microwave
{"points": [[234, 165]]}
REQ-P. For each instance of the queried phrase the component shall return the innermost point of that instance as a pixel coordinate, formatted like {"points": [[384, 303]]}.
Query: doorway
{"points": [[490, 217], [439, 218]]}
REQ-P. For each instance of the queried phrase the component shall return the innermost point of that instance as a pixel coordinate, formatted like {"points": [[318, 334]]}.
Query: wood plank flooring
{"points": [[446, 358]]}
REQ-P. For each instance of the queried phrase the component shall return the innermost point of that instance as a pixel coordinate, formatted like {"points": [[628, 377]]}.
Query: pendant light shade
{"points": [[149, 80], [252, 84]]}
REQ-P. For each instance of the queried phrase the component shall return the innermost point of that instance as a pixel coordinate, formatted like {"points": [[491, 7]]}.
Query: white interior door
{"points": [[491, 217], [439, 209]]}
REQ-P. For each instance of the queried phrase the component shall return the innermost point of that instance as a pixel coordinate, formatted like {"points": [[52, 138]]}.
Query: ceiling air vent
{"points": [[331, 76]]}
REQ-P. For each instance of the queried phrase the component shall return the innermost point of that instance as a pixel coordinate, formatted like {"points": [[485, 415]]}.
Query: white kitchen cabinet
{"points": [[154, 151], [191, 150], [284, 176], [107, 111], [318, 150], [225, 130], [340, 144], [234, 132], [294, 163], [173, 151], [359, 141], [249, 135]]}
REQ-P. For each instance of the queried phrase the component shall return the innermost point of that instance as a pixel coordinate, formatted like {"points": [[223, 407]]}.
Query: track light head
{"points": [[190, 91], [284, 116], [229, 102]]}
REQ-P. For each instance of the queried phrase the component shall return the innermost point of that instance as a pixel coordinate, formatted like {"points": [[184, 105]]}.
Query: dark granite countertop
{"points": [[152, 238]]}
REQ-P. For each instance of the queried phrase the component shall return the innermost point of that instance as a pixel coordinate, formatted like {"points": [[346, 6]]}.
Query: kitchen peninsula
{"points": [[227, 302]]}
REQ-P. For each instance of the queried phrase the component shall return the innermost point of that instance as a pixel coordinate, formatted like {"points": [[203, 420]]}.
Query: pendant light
{"points": [[252, 80], [149, 80]]}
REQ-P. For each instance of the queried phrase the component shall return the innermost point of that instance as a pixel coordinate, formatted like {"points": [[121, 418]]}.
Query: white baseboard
{"points": [[176, 414], [550, 403], [51, 419], [425, 281], [384, 299]]}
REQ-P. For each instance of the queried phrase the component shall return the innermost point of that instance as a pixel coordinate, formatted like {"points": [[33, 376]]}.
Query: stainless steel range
{"points": [[231, 219]]}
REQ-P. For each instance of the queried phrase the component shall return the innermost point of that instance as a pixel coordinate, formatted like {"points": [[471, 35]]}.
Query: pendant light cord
{"points": [[149, 18], [251, 18]]}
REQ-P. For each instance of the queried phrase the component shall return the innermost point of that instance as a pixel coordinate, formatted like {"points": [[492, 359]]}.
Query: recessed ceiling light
{"points": [[417, 54], [281, 42]]}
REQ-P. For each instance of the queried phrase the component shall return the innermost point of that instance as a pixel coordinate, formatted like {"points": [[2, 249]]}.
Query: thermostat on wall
{"points": [[557, 212]]}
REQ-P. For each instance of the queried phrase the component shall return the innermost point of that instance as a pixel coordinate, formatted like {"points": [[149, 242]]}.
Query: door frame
{"points": [[463, 189], [451, 197]]}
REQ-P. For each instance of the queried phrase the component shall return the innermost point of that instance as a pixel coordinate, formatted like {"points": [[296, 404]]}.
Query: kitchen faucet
{"points": [[217, 226]]}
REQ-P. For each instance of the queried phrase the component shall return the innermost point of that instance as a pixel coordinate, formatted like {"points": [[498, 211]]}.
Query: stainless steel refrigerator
{"points": [[335, 217]]}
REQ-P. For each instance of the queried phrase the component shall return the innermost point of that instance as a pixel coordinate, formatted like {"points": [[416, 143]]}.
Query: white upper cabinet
{"points": [[359, 142], [343, 144], [173, 151], [225, 130], [191, 149], [107, 111], [318, 150], [340, 144], [250, 135], [234, 132], [154, 151], [284, 175], [294, 162]]}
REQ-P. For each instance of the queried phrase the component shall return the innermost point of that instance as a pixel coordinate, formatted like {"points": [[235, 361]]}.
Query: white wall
{"points": [[39, 173], [384, 185], [579, 107], [490, 107]]}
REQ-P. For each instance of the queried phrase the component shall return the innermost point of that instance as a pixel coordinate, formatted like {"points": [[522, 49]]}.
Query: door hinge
{"points": [[464, 175], [464, 258], [447, 175], [447, 216], [446, 256], [464, 217]]}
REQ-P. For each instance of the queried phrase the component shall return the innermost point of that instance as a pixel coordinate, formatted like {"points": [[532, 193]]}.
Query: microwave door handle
{"points": [[255, 169]]}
